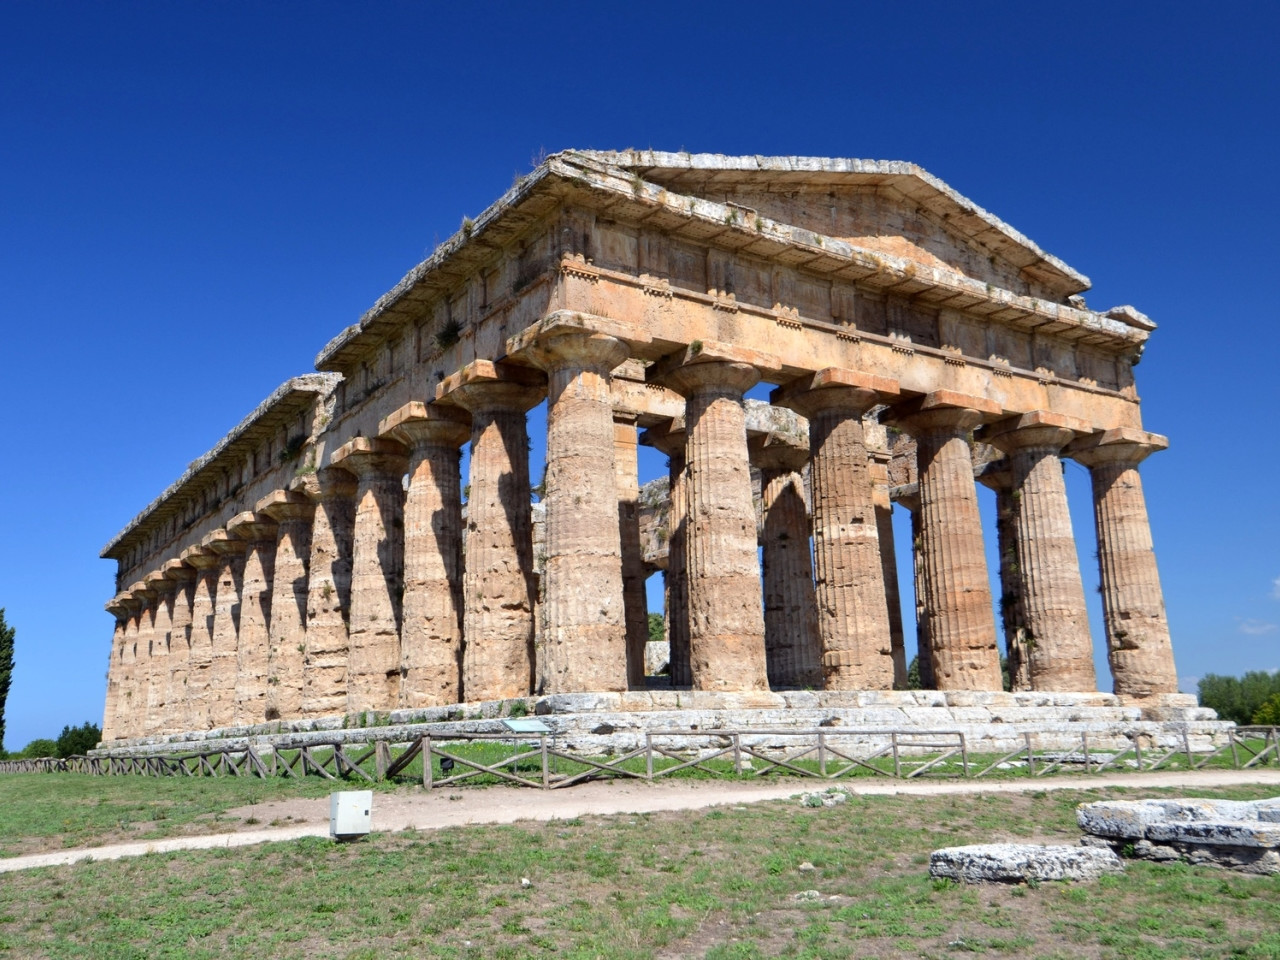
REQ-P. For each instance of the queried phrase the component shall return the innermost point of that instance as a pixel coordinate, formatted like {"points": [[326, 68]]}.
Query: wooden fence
{"points": [[537, 761]]}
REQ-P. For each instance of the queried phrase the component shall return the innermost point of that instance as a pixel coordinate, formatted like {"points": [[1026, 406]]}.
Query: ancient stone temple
{"points": [[328, 557]]}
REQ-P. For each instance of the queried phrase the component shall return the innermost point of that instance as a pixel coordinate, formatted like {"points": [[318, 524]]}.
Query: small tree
{"points": [[77, 741], [7, 634], [1268, 715], [38, 748], [1238, 698], [657, 630]]}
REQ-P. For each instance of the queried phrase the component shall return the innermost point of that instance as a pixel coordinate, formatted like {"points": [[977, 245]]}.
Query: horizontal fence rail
{"points": [[536, 760]]}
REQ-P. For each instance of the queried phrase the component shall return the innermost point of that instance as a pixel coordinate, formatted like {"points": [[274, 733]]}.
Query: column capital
{"points": [[485, 385], [1124, 445], [370, 457], [836, 388], [178, 571], [122, 606], [327, 483], [419, 424], [159, 584], [568, 335], [251, 526], [996, 475], [941, 411], [710, 365], [668, 438], [200, 557], [223, 544], [284, 505], [1038, 429], [771, 452], [142, 593]]}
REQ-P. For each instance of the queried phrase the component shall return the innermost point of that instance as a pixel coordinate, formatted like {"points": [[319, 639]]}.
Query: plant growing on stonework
{"points": [[7, 633]]}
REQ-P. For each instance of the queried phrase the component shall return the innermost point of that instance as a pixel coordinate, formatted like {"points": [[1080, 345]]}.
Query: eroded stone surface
{"points": [[1022, 862]]}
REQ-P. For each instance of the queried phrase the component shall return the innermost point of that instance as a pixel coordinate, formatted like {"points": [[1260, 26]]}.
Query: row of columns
{"points": [[351, 591]]}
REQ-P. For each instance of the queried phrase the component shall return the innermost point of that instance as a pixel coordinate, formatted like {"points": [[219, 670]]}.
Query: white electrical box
{"points": [[350, 814]]}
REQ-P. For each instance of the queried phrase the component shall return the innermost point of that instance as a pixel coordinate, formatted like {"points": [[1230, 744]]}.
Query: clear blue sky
{"points": [[195, 197]]}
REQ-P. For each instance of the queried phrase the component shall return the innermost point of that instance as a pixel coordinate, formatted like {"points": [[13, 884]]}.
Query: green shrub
{"points": [[1238, 698], [77, 741], [1269, 713], [38, 748]]}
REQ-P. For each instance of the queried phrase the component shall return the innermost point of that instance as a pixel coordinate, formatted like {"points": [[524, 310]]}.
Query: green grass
{"points": [[720, 884]]}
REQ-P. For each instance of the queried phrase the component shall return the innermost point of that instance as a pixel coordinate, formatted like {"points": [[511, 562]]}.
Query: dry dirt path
{"points": [[422, 810]]}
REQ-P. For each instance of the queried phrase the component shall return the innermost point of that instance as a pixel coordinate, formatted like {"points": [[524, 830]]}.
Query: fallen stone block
{"points": [[1220, 833], [1022, 862]]}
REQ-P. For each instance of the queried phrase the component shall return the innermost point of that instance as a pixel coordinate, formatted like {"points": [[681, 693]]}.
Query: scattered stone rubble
{"points": [[1022, 863], [1237, 835], [830, 797]]}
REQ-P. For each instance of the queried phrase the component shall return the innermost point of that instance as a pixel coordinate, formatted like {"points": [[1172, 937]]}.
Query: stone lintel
{"points": [[417, 422], [886, 389], [948, 407], [996, 475], [281, 505], [222, 543], [487, 371], [1030, 429], [711, 351], [1131, 316], [1121, 443], [565, 322], [252, 526]]}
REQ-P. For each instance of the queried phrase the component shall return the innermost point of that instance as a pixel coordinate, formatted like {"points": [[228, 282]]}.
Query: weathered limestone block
{"points": [[726, 636], [253, 642], [1051, 594], [158, 651], [208, 567], [961, 627], [1131, 819], [431, 630], [672, 440], [293, 513], [226, 626], [584, 632], [853, 613], [184, 579], [377, 565], [138, 692], [793, 649], [1022, 862], [120, 606], [499, 588], [324, 667], [627, 468], [1138, 645]]}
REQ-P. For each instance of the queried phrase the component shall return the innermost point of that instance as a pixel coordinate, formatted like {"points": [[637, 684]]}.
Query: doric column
{"points": [[998, 476], [158, 651], [140, 687], [924, 653], [377, 567], [184, 581], [258, 531], [585, 623], [889, 567], [119, 607], [499, 589], [324, 667], [224, 664], [431, 628], [634, 600], [671, 440], [793, 650], [1138, 645], [726, 636], [1059, 649], [287, 643], [853, 612], [200, 689], [962, 631]]}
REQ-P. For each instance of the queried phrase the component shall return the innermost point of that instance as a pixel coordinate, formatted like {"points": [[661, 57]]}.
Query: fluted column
{"points": [[633, 578], [200, 689], [184, 581], [139, 687], [853, 612], [889, 570], [585, 624], [324, 667], [499, 589], [671, 441], [793, 649], [431, 628], [287, 644], [377, 568], [253, 640], [962, 632], [224, 663], [158, 651], [120, 606], [1139, 648], [726, 634], [924, 653], [1059, 648], [998, 477]]}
